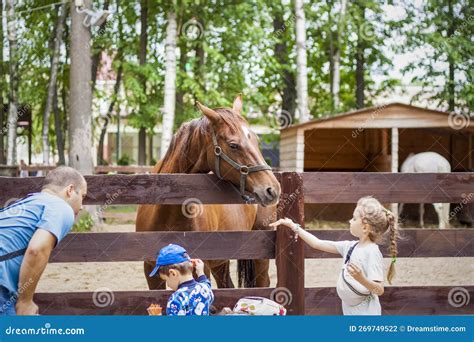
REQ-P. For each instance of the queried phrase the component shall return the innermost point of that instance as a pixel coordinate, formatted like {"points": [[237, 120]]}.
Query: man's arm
{"points": [[35, 260]]}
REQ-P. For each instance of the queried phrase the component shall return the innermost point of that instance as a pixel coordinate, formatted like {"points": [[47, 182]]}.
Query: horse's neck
{"points": [[185, 157]]}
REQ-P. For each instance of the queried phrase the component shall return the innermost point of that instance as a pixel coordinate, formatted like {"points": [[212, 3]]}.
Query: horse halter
{"points": [[243, 169]]}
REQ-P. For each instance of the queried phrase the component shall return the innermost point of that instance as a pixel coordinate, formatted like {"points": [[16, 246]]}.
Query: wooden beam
{"points": [[319, 187], [421, 243], [409, 300], [136, 189], [138, 246], [109, 247], [348, 187], [290, 252]]}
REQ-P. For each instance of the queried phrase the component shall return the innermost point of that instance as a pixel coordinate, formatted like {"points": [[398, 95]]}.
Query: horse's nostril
{"points": [[271, 192]]}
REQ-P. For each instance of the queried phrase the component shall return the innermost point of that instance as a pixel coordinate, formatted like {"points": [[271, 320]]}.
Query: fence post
{"points": [[290, 253]]}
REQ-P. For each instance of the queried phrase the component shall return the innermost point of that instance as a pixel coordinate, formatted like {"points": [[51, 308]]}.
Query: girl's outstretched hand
{"points": [[285, 222]]}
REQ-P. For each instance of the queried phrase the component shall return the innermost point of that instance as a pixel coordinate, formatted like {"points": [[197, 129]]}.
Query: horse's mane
{"points": [[185, 135]]}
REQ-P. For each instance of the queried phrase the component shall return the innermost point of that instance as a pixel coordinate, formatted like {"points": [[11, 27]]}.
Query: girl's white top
{"points": [[370, 261]]}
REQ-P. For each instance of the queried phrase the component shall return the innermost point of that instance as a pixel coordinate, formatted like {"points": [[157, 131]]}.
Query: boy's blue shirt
{"points": [[193, 298]]}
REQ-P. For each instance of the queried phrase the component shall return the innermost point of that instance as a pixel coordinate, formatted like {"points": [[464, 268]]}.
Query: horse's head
{"points": [[234, 155]]}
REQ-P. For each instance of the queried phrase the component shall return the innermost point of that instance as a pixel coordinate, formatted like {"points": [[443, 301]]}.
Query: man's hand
{"points": [[199, 265], [26, 308]]}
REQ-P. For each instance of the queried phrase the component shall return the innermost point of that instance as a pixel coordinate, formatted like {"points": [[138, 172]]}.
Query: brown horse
{"points": [[220, 141]]}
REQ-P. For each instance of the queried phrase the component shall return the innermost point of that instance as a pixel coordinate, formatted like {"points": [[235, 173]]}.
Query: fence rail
{"points": [[319, 187]]}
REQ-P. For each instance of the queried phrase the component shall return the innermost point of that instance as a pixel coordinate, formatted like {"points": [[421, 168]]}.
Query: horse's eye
{"points": [[234, 146]]}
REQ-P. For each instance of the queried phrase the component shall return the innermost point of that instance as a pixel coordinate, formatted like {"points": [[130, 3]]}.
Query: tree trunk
{"points": [[301, 71], [170, 84], [12, 96], [52, 81], [142, 61], [150, 148], [281, 54], [58, 128], [96, 56], [118, 81], [64, 82], [336, 74], [360, 65], [80, 135], [2, 79]]}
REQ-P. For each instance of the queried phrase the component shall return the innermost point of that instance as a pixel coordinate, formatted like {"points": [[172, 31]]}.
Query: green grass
{"points": [[121, 208]]}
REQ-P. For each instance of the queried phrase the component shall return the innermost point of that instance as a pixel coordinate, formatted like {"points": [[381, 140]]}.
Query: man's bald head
{"points": [[63, 176]]}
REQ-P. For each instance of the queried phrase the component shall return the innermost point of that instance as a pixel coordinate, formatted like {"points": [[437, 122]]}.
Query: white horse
{"points": [[431, 162]]}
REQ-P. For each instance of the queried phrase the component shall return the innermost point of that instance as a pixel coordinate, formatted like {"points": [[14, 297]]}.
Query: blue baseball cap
{"points": [[170, 255]]}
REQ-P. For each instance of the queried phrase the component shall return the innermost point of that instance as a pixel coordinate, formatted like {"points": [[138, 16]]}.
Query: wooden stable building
{"points": [[376, 139]]}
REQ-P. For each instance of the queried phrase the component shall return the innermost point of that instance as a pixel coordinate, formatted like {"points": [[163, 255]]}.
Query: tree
{"points": [[52, 88], [170, 83], [142, 61], [336, 38], [287, 89], [360, 61], [80, 121], [13, 93], [301, 74], [444, 30]]}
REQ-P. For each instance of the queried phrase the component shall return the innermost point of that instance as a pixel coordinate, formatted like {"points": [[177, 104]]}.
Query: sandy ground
{"points": [[122, 276]]}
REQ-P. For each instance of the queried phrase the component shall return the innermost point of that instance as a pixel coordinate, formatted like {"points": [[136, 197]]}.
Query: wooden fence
{"points": [[297, 189]]}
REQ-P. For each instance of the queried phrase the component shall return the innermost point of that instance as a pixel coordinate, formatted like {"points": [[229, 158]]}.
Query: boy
{"points": [[191, 297]]}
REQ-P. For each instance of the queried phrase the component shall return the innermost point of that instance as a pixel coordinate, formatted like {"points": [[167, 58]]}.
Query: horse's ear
{"points": [[208, 112], [237, 106]]}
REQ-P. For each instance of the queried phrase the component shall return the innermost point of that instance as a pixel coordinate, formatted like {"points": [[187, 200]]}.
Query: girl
{"points": [[361, 278]]}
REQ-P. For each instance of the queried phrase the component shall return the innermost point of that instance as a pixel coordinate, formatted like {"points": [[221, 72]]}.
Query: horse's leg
{"points": [[261, 271], [221, 273], [440, 209], [446, 211], [154, 283], [422, 214]]}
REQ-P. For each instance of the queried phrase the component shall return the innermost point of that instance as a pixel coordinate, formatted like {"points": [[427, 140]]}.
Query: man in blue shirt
{"points": [[29, 230], [191, 297]]}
